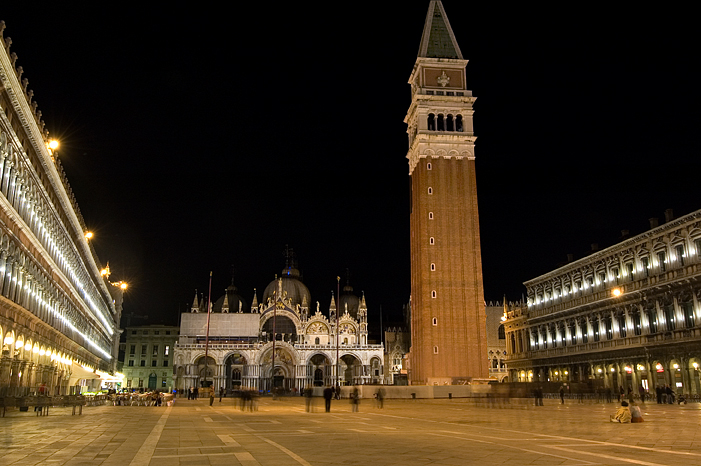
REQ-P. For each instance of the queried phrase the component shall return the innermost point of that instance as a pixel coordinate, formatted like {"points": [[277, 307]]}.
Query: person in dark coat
{"points": [[562, 395], [328, 394]]}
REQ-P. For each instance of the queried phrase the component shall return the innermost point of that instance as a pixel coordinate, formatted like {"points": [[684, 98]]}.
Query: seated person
{"points": [[622, 414], [636, 415]]}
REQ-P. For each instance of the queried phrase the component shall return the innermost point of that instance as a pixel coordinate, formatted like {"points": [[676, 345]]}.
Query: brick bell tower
{"points": [[448, 322]]}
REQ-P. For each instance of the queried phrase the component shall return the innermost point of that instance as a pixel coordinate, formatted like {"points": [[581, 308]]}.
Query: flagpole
{"points": [[338, 310], [206, 341]]}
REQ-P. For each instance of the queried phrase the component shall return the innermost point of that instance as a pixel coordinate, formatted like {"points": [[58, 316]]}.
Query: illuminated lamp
{"points": [[53, 144], [616, 292], [696, 365], [19, 344], [9, 340], [613, 370], [28, 347], [629, 369], [42, 352], [659, 367], [88, 235]]}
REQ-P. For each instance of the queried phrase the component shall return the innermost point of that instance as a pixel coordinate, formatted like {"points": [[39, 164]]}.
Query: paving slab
{"points": [[406, 432]]}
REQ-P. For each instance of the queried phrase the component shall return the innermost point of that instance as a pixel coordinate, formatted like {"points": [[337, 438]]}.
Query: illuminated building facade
{"points": [[311, 347], [496, 342], [448, 334], [626, 316], [149, 356], [58, 315]]}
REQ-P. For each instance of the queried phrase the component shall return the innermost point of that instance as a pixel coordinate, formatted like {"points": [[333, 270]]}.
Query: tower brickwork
{"points": [[448, 324]]}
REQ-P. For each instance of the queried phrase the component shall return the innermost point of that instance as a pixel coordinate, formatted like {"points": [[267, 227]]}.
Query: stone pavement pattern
{"points": [[409, 432]]}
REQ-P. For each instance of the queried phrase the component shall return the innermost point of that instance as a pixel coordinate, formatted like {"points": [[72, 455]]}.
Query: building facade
{"points": [[281, 342], [58, 315], [496, 341], [627, 316], [149, 356], [449, 343]]}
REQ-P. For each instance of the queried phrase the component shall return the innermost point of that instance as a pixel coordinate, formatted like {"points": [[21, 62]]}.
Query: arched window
{"points": [[502, 333], [458, 123], [316, 341], [431, 122], [435, 321], [433, 267], [430, 215], [430, 190], [435, 350], [441, 123], [433, 293], [428, 166], [432, 241], [449, 123]]}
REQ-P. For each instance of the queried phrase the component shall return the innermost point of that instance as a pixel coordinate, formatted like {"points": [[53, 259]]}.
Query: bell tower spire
{"points": [[448, 321]]}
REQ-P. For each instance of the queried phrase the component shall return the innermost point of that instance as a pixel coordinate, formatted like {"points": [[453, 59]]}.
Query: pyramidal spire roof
{"points": [[438, 40]]}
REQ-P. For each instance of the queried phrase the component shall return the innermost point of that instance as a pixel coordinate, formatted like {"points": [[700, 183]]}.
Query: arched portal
{"points": [[152, 381], [282, 376], [350, 370], [319, 367], [234, 369], [206, 376], [284, 329]]}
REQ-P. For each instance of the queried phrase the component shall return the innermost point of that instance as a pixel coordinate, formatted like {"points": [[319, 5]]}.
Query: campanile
{"points": [[448, 323]]}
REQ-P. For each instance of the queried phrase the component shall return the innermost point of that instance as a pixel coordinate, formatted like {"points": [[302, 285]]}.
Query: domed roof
{"points": [[234, 301], [292, 284], [353, 302]]}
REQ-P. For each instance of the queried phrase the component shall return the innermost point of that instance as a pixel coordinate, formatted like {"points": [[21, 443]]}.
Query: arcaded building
{"points": [[448, 334], [283, 341], [58, 315], [626, 316]]}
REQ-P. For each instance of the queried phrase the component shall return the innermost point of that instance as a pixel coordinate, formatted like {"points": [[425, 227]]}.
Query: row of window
{"points": [[154, 363], [141, 383], [442, 122], [449, 93], [155, 332], [154, 350], [555, 335], [628, 274]]}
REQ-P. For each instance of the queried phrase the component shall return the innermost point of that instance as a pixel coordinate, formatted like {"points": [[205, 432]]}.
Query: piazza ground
{"points": [[408, 432]]}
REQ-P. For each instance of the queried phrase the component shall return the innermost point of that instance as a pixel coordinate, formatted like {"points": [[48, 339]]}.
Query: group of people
{"points": [[627, 413], [665, 395]]}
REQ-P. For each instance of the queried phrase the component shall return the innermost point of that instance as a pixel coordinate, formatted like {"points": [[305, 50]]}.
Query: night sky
{"points": [[198, 139]]}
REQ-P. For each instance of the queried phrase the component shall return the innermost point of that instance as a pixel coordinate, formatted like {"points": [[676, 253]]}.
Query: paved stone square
{"points": [[406, 432]]}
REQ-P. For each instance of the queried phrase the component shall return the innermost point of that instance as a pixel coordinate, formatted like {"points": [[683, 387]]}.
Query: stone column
{"points": [[5, 366]]}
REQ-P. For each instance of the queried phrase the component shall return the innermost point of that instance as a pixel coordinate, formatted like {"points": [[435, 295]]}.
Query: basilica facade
{"points": [[283, 341]]}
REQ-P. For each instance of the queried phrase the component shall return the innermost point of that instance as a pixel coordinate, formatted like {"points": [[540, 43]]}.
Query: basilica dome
{"points": [[292, 284], [349, 299], [234, 301]]}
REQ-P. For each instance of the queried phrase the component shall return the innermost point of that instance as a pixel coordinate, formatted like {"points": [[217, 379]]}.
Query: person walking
{"points": [[641, 391], [380, 398], [211, 396], [338, 392], [191, 394], [658, 393], [221, 393], [562, 395], [355, 399], [328, 394], [308, 392]]}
